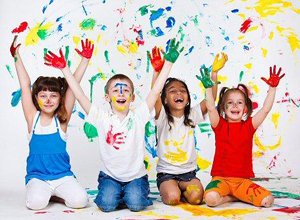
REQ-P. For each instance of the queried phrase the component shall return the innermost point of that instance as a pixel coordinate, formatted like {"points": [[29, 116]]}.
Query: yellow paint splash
{"points": [[267, 8], [153, 214], [264, 52], [202, 163], [191, 188], [253, 28], [201, 211], [40, 103], [293, 41], [248, 65], [271, 35], [176, 157], [275, 118], [254, 87], [122, 49], [266, 147], [32, 37]]}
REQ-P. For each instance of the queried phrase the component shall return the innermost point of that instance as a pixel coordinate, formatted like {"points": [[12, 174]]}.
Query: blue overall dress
{"points": [[48, 158]]}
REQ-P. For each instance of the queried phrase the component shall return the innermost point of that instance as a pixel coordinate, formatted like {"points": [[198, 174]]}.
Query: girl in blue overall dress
{"points": [[47, 109]]}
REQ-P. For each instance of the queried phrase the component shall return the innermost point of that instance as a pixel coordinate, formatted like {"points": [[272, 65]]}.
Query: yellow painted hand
{"points": [[219, 62]]}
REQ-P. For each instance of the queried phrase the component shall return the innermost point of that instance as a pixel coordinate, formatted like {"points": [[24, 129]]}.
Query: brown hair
{"points": [[225, 91], [121, 77], [53, 84], [187, 108]]}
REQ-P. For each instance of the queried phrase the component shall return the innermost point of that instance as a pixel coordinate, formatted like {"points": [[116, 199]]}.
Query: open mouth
{"points": [[235, 112], [178, 100], [121, 101]]}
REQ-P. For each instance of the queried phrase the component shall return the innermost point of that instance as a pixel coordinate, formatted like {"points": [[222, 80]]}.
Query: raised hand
{"points": [[173, 52], [205, 77], [56, 61], [14, 47], [274, 79], [156, 60], [219, 62], [87, 49]]}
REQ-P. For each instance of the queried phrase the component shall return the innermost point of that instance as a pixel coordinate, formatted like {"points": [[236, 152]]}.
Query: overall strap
{"points": [[56, 122], [36, 122]]}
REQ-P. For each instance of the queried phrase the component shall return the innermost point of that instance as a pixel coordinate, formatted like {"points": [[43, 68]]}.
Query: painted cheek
{"points": [[116, 105], [40, 103]]}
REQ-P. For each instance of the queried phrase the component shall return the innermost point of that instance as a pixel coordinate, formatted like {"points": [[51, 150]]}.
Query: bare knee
{"points": [[171, 198], [267, 201], [194, 194], [212, 198]]}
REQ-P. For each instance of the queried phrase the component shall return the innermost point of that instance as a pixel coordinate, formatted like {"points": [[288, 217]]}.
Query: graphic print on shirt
{"points": [[115, 139], [178, 156]]}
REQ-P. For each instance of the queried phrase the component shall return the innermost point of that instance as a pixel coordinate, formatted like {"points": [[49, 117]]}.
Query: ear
{"points": [[245, 110], [107, 98], [132, 97]]}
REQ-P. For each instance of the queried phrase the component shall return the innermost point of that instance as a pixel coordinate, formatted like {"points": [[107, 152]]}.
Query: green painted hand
{"points": [[205, 77], [173, 51]]}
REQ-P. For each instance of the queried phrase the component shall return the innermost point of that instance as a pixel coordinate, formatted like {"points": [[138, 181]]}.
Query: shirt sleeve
{"points": [[94, 115], [196, 114], [143, 112]]}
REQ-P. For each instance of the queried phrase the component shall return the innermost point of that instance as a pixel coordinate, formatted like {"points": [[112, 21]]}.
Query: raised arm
{"points": [[29, 109], [59, 62], [210, 99], [170, 58], [157, 62], [86, 54], [218, 64], [273, 82]]}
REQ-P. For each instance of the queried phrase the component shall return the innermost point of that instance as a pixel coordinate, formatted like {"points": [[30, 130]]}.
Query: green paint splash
{"points": [[182, 35], [93, 80], [150, 129], [42, 33], [278, 194], [9, 70], [67, 55], [144, 9], [106, 56], [148, 64], [213, 184], [241, 76], [88, 24], [90, 131]]}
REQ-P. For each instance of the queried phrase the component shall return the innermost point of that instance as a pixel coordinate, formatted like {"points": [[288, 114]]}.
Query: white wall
{"points": [[207, 26]]}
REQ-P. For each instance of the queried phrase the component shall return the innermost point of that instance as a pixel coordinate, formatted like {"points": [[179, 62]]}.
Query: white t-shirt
{"points": [[176, 147], [121, 143]]}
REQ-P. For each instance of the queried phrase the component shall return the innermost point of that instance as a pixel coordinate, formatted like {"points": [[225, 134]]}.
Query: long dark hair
{"points": [[52, 84], [225, 91], [187, 108]]}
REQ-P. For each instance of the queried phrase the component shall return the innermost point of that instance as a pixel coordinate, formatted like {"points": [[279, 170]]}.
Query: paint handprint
{"points": [[14, 47], [156, 60], [173, 52], [256, 189], [87, 49], [54, 60], [205, 77], [113, 139], [274, 79], [219, 62]]}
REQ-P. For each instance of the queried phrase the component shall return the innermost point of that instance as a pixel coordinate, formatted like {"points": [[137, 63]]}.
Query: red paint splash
{"points": [[254, 105], [41, 212], [246, 25], [22, 27], [68, 211], [288, 210]]}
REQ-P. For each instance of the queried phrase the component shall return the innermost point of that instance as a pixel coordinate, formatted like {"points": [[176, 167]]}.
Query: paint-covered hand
{"points": [[173, 51], [87, 49], [156, 60], [14, 47], [274, 79], [115, 139], [56, 61], [205, 77], [219, 62]]}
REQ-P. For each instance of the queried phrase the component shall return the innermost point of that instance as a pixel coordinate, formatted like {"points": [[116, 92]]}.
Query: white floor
{"points": [[287, 206]]}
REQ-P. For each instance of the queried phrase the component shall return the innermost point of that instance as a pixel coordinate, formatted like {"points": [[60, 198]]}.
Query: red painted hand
{"points": [[113, 139], [87, 49], [56, 61], [274, 79], [13, 47], [157, 61]]}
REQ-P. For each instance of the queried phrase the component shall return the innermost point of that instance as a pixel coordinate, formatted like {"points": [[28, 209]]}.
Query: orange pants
{"points": [[241, 188]]}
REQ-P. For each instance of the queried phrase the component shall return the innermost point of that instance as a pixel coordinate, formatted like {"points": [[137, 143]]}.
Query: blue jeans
{"points": [[112, 193]]}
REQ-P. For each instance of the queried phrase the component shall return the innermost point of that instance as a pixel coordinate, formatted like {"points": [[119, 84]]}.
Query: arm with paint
{"points": [[59, 62], [157, 62], [27, 103], [170, 58], [273, 82]]}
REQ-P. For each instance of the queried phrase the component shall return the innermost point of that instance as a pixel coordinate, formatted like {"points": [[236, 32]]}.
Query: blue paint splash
{"points": [[16, 97], [170, 22], [235, 10], [156, 15], [190, 50]]}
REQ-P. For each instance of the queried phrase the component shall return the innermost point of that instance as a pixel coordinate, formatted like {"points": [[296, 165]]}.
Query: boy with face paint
{"points": [[122, 178]]}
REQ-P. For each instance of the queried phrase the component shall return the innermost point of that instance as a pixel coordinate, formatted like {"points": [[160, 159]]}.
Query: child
{"points": [[47, 109], [232, 166], [177, 157], [123, 178]]}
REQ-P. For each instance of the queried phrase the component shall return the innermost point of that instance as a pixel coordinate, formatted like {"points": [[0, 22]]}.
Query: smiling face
{"points": [[235, 106], [120, 95], [177, 96], [48, 101]]}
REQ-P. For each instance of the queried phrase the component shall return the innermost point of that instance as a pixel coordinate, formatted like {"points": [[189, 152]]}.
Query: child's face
{"points": [[235, 107], [119, 94], [48, 101], [176, 96]]}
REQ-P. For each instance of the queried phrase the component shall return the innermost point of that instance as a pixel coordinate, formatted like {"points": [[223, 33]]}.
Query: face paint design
{"points": [[116, 105], [121, 86], [40, 103]]}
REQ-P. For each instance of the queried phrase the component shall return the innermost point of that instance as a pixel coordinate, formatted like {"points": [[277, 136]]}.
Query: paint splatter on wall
{"points": [[254, 34]]}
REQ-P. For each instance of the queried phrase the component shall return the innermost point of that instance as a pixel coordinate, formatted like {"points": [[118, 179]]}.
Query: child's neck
{"points": [[177, 113], [46, 118], [121, 114]]}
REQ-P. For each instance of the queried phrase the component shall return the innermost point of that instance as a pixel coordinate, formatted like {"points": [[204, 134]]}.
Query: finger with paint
{"points": [[13, 47], [219, 62], [173, 51], [87, 49], [275, 78], [157, 61], [205, 77], [52, 59]]}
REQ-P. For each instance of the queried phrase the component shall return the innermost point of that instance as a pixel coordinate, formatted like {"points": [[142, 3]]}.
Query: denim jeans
{"points": [[112, 193]]}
